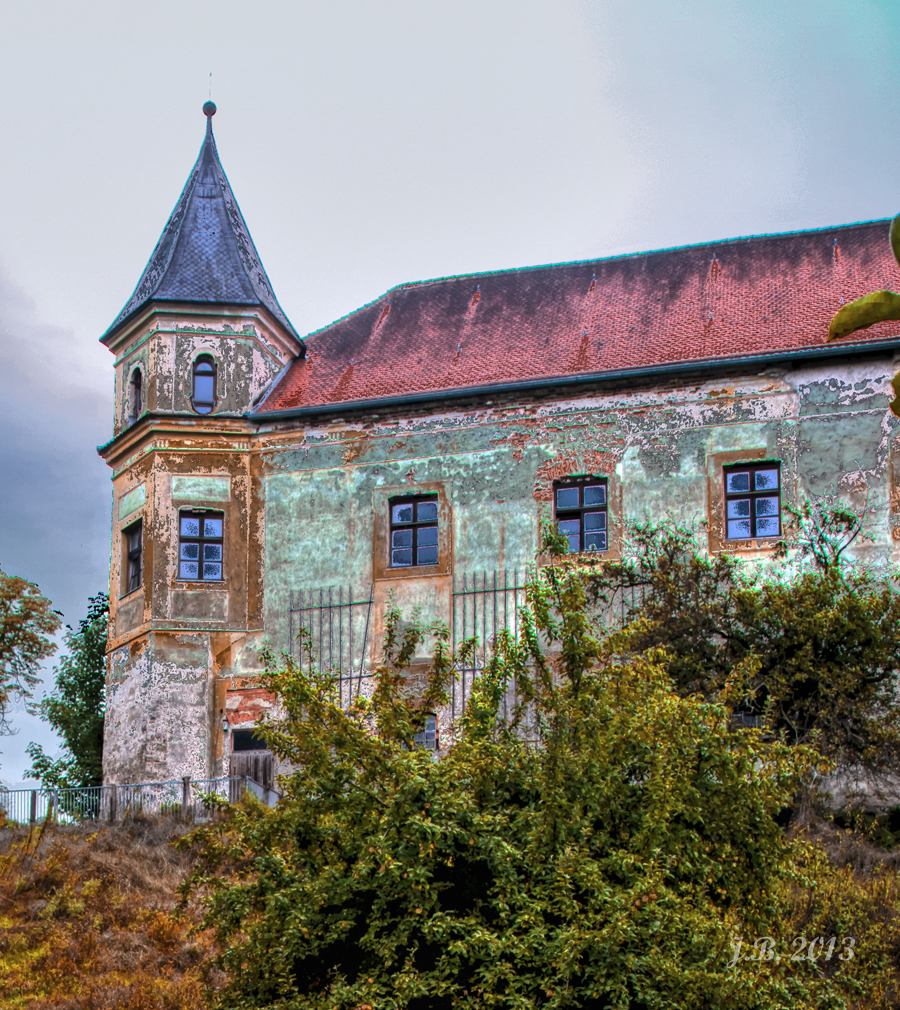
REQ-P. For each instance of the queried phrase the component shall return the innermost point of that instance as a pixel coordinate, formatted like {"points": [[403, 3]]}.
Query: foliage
{"points": [[27, 620], [87, 923], [598, 850], [75, 707], [812, 652], [876, 307], [825, 526], [856, 894]]}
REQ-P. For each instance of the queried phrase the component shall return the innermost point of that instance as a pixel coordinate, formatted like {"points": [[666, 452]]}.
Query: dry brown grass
{"points": [[87, 920]]}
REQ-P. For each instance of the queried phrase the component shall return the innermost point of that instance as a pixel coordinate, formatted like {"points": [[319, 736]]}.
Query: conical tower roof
{"points": [[205, 253]]}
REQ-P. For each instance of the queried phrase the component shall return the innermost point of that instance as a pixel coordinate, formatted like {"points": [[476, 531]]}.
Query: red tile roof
{"points": [[748, 296]]}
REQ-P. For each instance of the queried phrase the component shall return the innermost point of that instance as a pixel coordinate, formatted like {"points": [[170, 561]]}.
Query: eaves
{"points": [[583, 379]]}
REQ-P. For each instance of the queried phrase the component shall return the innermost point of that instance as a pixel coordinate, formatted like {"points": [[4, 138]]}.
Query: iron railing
{"points": [[483, 612], [335, 623], [182, 797], [337, 633]]}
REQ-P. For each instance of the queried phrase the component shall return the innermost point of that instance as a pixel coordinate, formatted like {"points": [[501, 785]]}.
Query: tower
{"points": [[197, 344]]}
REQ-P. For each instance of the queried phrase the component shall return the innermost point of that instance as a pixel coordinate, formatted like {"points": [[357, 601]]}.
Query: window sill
{"points": [[412, 572], [131, 592], [582, 557], [764, 545], [205, 584]]}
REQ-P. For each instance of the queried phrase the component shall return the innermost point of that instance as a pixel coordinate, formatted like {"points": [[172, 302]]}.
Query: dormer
{"points": [[203, 334]]}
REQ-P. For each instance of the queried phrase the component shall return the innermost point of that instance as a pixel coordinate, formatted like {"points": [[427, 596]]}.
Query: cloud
{"points": [[55, 408]]}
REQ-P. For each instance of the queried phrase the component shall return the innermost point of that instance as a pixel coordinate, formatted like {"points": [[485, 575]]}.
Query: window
{"points": [[133, 537], [246, 739], [752, 500], [581, 512], [204, 393], [200, 546], [427, 736], [135, 399], [414, 530]]}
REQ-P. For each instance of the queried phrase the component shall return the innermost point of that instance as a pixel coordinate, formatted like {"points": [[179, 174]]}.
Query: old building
{"points": [[264, 483]]}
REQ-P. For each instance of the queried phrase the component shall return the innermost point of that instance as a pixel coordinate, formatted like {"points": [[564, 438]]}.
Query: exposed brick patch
{"points": [[247, 705], [600, 463]]}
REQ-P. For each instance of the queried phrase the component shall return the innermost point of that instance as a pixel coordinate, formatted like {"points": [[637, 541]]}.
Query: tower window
{"points": [[134, 542], [204, 391], [200, 546], [414, 530], [581, 512], [135, 396], [752, 500]]}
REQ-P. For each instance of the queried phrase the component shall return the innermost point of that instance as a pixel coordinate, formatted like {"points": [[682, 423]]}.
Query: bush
{"points": [[602, 848]]}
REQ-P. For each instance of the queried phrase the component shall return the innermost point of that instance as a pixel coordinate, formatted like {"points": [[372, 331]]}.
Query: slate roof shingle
{"points": [[205, 253]]}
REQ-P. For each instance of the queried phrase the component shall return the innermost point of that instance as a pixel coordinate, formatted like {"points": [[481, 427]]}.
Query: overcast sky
{"points": [[371, 144]]}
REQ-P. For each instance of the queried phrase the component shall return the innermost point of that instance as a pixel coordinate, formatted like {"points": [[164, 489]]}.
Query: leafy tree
{"points": [[815, 650], [27, 620], [600, 848], [75, 706]]}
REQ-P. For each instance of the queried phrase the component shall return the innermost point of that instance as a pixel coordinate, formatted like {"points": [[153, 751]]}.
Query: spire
{"points": [[205, 253]]}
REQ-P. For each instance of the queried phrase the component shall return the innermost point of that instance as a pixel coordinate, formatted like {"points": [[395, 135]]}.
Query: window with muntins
{"points": [[133, 548], [414, 530], [752, 500], [580, 504], [200, 546], [426, 738], [203, 397]]}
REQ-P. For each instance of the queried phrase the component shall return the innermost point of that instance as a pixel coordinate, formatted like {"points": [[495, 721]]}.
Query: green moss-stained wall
{"points": [[830, 427]]}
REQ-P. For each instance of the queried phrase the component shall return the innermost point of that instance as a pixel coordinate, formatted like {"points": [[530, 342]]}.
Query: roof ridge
{"points": [[587, 262], [634, 255]]}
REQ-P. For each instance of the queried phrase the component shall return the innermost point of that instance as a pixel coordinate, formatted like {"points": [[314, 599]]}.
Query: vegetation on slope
{"points": [[86, 921]]}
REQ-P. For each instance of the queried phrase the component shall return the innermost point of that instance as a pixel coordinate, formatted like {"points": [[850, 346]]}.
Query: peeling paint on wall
{"points": [[303, 502]]}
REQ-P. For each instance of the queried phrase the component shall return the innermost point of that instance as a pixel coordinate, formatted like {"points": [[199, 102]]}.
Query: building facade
{"points": [[265, 483]]}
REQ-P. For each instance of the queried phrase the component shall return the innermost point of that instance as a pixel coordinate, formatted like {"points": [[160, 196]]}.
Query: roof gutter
{"points": [[583, 378]]}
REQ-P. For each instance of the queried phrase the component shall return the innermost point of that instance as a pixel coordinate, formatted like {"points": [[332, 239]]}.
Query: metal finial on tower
{"points": [[209, 109]]}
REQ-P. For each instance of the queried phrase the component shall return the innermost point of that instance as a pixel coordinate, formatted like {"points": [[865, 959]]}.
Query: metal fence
{"points": [[182, 797], [483, 612], [336, 628], [335, 623]]}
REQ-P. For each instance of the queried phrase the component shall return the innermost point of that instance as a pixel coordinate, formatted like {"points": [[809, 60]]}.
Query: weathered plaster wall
{"points": [[248, 352], [829, 425], [155, 688], [305, 508], [174, 644]]}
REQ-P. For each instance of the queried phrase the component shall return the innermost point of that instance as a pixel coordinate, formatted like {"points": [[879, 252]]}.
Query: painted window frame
{"points": [[416, 524], [247, 733], [202, 540], [381, 537], [571, 514], [204, 361], [428, 738], [132, 557], [742, 505], [716, 461]]}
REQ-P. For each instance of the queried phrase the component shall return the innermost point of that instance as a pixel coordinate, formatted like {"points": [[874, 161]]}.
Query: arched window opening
{"points": [[135, 396], [204, 395]]}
